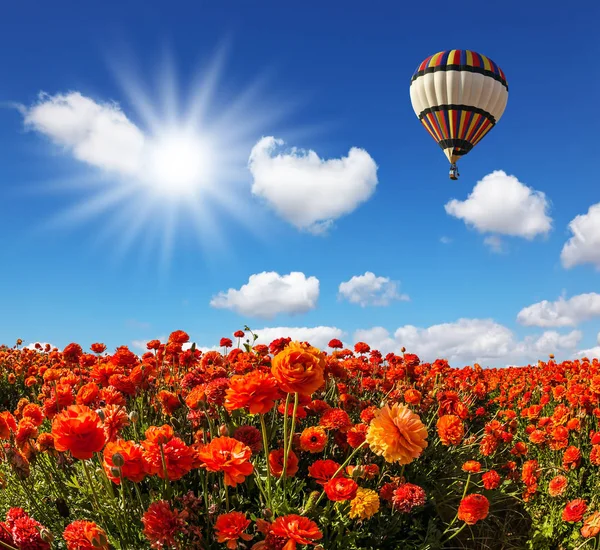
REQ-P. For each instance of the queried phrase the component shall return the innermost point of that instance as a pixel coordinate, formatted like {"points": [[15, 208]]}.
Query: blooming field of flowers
{"points": [[286, 446]]}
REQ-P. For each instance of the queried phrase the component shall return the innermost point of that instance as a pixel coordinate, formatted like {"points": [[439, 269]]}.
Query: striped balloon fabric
{"points": [[459, 96]]}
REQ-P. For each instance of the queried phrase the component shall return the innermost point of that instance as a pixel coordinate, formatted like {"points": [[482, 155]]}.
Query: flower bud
{"points": [[115, 472], [118, 460], [223, 430], [402, 349], [101, 414], [134, 416]]}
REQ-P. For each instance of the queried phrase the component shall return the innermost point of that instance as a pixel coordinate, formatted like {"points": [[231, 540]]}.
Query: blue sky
{"points": [[335, 76]]}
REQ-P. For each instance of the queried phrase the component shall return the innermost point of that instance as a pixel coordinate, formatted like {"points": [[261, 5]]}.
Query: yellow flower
{"points": [[365, 504], [397, 434]]}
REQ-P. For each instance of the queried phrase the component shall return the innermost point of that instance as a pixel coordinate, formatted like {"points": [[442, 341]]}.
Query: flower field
{"points": [[286, 446]]}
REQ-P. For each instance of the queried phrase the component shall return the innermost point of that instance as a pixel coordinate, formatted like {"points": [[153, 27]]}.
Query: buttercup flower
{"points": [[397, 434], [296, 530], [85, 535], [299, 369], [364, 505], [230, 527], [473, 508], [78, 429]]}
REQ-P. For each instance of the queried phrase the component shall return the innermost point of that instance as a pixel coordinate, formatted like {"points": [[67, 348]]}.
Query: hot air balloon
{"points": [[459, 96]]}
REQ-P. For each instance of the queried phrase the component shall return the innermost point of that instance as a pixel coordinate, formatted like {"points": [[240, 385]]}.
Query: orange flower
{"points": [[230, 527], [412, 396], [471, 466], [227, 455], [313, 439], [296, 530], [78, 429], [87, 394], [126, 455], [473, 508], [85, 535], [591, 526], [557, 486], [451, 429], [276, 459], [397, 434], [257, 391], [299, 368], [162, 525]]}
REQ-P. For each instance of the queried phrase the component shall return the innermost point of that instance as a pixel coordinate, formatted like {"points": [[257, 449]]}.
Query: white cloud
{"points": [[445, 240], [307, 191], [317, 336], [495, 243], [584, 246], [561, 313], [502, 204], [591, 352], [267, 294], [467, 341], [368, 289], [96, 133]]}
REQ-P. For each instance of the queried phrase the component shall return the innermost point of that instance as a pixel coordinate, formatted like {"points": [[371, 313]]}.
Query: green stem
{"points": [[456, 532], [226, 498], [288, 447], [92, 486], [263, 427]]}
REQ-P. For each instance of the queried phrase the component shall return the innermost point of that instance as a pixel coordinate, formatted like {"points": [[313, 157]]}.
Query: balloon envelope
{"points": [[459, 96]]}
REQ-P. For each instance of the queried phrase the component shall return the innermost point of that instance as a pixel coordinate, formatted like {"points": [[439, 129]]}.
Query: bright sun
{"points": [[179, 165], [172, 161]]}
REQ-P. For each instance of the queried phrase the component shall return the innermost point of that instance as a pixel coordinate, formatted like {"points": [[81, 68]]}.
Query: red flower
{"points": [[408, 496], [85, 535], [491, 480], [571, 458], [249, 436], [230, 527], [78, 429], [340, 489], [323, 470], [239, 334], [356, 435], [574, 510], [335, 343], [225, 343], [276, 459], [335, 419], [171, 460], [557, 486], [162, 525], [296, 530], [473, 508], [126, 455]]}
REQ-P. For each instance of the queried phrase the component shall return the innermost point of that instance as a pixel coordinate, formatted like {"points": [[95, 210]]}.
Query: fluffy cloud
{"points": [[368, 289], [470, 340], [307, 191], [502, 204], [584, 246], [98, 134], [267, 294], [562, 312], [591, 352]]}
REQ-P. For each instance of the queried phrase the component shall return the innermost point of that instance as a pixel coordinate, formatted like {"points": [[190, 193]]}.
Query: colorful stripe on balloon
{"points": [[461, 60]]}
